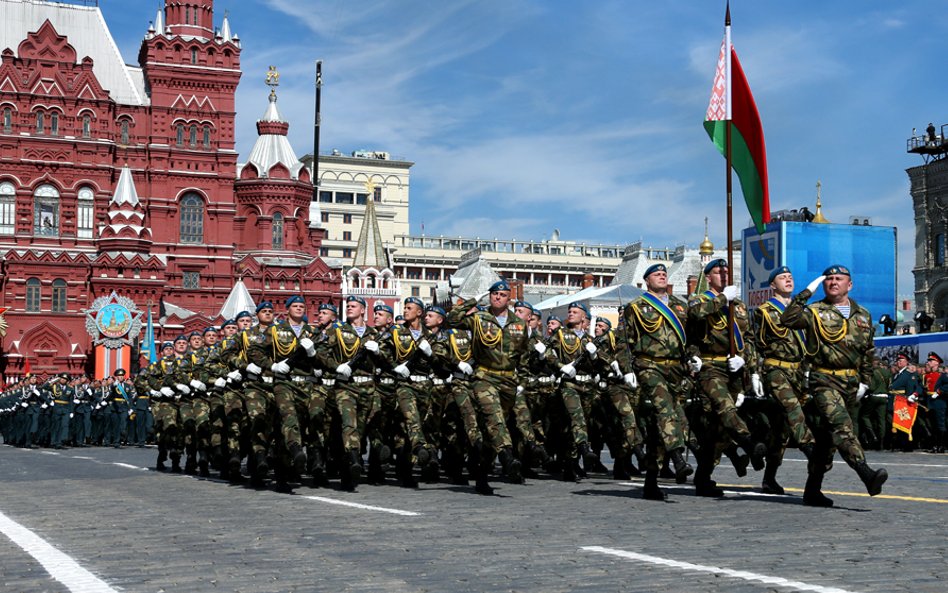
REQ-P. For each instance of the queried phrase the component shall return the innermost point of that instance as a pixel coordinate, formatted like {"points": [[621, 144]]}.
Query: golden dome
{"points": [[706, 247]]}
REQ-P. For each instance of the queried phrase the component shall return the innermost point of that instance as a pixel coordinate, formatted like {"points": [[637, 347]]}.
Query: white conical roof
{"points": [[225, 29], [238, 300], [125, 192], [272, 148], [160, 21]]}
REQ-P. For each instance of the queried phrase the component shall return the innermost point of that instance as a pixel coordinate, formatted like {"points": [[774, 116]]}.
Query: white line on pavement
{"points": [[365, 507], [739, 492], [144, 469], [59, 565], [715, 570], [49, 453], [886, 464]]}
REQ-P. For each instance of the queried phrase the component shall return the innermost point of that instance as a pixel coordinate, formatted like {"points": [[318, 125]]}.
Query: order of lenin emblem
{"points": [[113, 321]]}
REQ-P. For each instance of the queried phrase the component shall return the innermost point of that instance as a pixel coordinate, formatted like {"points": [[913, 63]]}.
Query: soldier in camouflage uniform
{"points": [[499, 345], [258, 392], [318, 422], [840, 372], [215, 378], [233, 360], [722, 374], [654, 328], [385, 433], [782, 351], [190, 407], [346, 351], [538, 383]]}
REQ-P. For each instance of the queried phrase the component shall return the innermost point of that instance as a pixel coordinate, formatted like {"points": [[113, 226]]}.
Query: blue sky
{"points": [[525, 116]]}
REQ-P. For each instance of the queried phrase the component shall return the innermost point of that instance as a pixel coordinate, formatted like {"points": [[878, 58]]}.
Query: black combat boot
{"points": [[233, 467], [651, 491], [683, 469], [812, 495], [769, 484], [704, 485], [873, 479], [510, 465], [203, 465], [756, 451], [422, 455], [162, 458], [590, 459], [176, 461], [403, 468], [260, 469], [738, 460], [640, 460], [355, 465], [191, 465], [297, 458], [620, 468], [539, 454], [375, 474], [807, 450]]}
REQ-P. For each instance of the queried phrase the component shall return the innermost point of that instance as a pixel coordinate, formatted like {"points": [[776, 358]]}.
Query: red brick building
{"points": [[121, 178]]}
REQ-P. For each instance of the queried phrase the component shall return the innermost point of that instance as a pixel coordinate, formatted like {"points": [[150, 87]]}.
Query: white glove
{"points": [[935, 395], [71, 414], [44, 406], [182, 388], [254, 369], [167, 391], [344, 370], [76, 401], [540, 347], [449, 379], [234, 376], [373, 346], [466, 368], [280, 368], [735, 363], [591, 349], [569, 370], [812, 286], [402, 370], [631, 380], [220, 382], [318, 373], [130, 412], [739, 400], [730, 293], [695, 363], [308, 346], [615, 367], [911, 399], [199, 385], [757, 385], [862, 391], [425, 347], [25, 405]]}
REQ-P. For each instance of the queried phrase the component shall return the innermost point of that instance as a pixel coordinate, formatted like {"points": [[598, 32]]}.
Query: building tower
{"points": [[706, 249], [371, 276], [929, 191]]}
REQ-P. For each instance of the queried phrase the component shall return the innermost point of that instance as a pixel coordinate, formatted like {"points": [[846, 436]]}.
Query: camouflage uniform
{"points": [[257, 391], [413, 393], [291, 390], [618, 397], [578, 392], [165, 410], [449, 348]]}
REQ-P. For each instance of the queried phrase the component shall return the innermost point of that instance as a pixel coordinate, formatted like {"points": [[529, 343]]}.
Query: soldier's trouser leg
{"points": [[834, 408], [60, 427], [316, 413], [939, 413], [218, 419], [536, 396], [461, 391], [347, 402], [720, 389], [487, 389], [513, 402], [234, 419], [620, 400], [284, 398], [369, 404], [780, 384], [657, 388], [202, 424], [257, 402], [572, 394], [407, 395], [141, 426]]}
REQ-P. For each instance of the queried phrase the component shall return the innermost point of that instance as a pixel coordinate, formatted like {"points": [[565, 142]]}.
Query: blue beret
{"points": [[264, 305], [399, 318], [436, 309], [194, 333], [294, 299], [604, 320], [384, 307], [210, 329], [415, 301], [356, 299], [230, 322], [654, 268], [119, 373], [241, 315], [181, 338], [536, 312], [167, 345], [329, 307], [837, 269], [554, 318], [777, 272], [498, 286], [524, 304], [715, 263], [578, 305]]}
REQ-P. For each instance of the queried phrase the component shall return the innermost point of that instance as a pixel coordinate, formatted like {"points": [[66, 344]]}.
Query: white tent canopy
{"points": [[605, 296]]}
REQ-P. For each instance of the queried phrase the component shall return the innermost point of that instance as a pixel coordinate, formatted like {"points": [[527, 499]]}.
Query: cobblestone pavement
{"points": [[142, 531]]}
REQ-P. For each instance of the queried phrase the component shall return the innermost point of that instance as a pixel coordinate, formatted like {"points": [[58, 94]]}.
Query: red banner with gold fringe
{"points": [[903, 415]]}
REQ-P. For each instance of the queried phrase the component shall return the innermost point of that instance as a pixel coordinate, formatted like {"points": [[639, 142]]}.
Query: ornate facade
{"points": [[930, 201], [121, 178]]}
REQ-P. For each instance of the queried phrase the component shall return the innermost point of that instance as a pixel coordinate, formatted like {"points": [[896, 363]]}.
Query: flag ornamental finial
{"points": [[818, 217]]}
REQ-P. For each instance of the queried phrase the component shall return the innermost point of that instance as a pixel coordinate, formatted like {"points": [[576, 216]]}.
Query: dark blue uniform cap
{"points": [[578, 305], [181, 338], [167, 345], [654, 268], [210, 329], [499, 285], [355, 299], [241, 315], [777, 272], [230, 322], [714, 263], [837, 269], [294, 299], [264, 305]]}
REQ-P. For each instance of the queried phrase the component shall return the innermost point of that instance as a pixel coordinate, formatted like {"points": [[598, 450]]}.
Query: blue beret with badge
{"points": [[837, 270], [578, 305], [536, 312], [229, 322], [242, 314], [181, 338], [166, 345], [715, 263], [555, 318], [383, 307], [436, 309], [654, 268], [523, 304], [777, 272], [264, 305], [210, 329], [499, 285], [195, 333], [293, 300], [356, 299], [605, 321], [329, 307], [415, 301]]}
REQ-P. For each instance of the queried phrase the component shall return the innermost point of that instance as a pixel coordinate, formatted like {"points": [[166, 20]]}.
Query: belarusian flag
{"points": [[732, 101]]}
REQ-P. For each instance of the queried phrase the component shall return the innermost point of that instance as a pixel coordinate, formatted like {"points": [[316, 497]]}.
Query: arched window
{"points": [[193, 135], [194, 55], [86, 126], [7, 208], [124, 130], [179, 131], [40, 122], [46, 211], [7, 120], [33, 295], [207, 137], [187, 14], [85, 213], [940, 249], [278, 231], [54, 123], [59, 296], [192, 219]]}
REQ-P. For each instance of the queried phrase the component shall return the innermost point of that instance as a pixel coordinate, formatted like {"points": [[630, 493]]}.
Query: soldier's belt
{"points": [[329, 382], [497, 372], [837, 372], [419, 378], [659, 361], [361, 379], [714, 358], [882, 395], [438, 381], [784, 364], [142, 397], [120, 400], [546, 379], [267, 379], [60, 401], [897, 391], [582, 378], [299, 379], [387, 381]]}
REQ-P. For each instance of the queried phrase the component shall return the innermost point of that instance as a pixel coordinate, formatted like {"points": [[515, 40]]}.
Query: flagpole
{"points": [[727, 160]]}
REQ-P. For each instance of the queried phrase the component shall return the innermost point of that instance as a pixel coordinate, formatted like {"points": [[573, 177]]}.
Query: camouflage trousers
{"points": [[317, 425], [488, 390], [235, 419], [461, 416], [258, 401], [215, 401], [356, 404], [290, 399], [578, 400], [387, 425], [195, 415], [786, 386], [413, 401], [433, 421], [166, 424], [537, 393], [720, 388], [834, 398], [659, 387], [616, 400]]}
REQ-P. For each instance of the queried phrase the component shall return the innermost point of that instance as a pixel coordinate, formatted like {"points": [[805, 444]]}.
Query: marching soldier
{"points": [[121, 393], [258, 392], [840, 372], [61, 401]]}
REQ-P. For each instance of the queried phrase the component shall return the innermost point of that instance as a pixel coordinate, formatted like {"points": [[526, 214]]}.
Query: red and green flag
{"points": [[732, 101]]}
